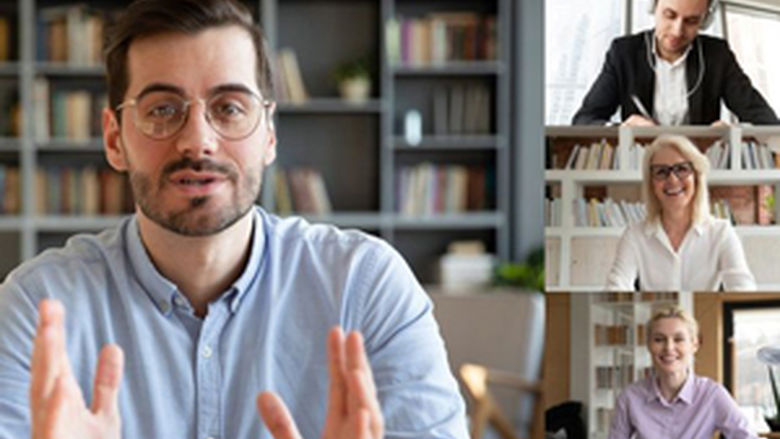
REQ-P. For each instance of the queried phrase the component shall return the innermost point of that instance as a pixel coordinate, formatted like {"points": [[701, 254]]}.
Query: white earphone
{"points": [[709, 16]]}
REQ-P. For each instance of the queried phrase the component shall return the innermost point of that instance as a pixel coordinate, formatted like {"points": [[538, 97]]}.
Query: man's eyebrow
{"points": [[230, 87], [161, 86]]}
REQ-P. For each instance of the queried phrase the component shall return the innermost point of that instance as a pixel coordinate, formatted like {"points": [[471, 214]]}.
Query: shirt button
{"points": [[164, 307], [207, 352], [179, 301]]}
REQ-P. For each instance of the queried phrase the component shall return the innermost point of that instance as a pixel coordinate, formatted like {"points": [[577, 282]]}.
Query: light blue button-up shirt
{"points": [[187, 377]]}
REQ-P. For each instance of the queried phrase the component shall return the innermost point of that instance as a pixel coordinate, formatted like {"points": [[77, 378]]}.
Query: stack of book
{"points": [[288, 79], [718, 154], [428, 189], [462, 109], [441, 37], [71, 34], [66, 114], [757, 155], [301, 190], [607, 213], [10, 201], [82, 191], [598, 155]]}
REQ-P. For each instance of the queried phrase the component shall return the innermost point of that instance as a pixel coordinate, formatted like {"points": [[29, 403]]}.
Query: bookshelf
{"points": [[358, 149], [578, 257], [614, 353]]}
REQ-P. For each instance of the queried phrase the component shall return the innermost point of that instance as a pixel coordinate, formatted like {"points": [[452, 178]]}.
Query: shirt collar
{"points": [[164, 293], [676, 62], [655, 227], [685, 394]]}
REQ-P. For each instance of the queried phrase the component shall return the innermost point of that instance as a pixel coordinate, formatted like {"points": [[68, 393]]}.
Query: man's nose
{"points": [[197, 137]]}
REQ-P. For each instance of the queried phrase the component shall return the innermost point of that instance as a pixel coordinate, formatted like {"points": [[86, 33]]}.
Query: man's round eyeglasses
{"points": [[160, 114], [681, 170]]}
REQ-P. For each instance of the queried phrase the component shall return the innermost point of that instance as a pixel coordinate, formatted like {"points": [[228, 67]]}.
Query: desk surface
{"points": [[771, 435]]}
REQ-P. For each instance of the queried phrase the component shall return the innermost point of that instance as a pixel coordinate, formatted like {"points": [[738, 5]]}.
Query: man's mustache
{"points": [[198, 166]]}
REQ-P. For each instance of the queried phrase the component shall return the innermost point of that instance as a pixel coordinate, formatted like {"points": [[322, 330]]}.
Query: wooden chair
{"points": [[484, 409]]}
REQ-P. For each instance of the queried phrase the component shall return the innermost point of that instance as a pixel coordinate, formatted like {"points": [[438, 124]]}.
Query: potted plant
{"points": [[770, 355], [354, 80], [528, 274]]}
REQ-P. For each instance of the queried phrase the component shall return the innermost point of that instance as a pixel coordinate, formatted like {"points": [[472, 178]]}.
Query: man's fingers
{"points": [[356, 356], [56, 407], [362, 397], [107, 380], [49, 355], [361, 425], [337, 399], [276, 416]]}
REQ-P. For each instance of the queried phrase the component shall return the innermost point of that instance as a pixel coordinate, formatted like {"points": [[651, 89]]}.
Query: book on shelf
{"points": [[10, 191], [65, 113], [607, 213], [71, 33], [552, 212], [441, 37], [85, 191], [718, 154], [462, 109], [744, 205], [427, 189], [10, 113], [301, 190], [289, 80], [5, 40], [600, 155], [757, 155]]}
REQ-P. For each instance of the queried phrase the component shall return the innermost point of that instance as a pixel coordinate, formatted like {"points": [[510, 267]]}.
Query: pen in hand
{"points": [[642, 110]]}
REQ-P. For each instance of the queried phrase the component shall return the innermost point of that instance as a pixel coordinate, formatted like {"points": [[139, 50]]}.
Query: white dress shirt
{"points": [[670, 100], [710, 255]]}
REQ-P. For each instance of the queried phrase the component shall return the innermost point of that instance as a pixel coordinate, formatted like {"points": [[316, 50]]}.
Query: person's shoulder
{"points": [[718, 226], [296, 233], [708, 389], [82, 255], [713, 45], [629, 42]]}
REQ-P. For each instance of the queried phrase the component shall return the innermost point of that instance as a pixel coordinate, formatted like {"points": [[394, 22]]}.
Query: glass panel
{"points": [[752, 330], [753, 36], [577, 37]]}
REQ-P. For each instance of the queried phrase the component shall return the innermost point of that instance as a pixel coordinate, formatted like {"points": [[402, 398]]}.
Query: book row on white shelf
{"points": [[607, 213], [600, 156], [610, 213], [757, 155]]}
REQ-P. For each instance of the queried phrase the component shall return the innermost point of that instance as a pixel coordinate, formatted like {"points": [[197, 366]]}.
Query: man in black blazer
{"points": [[638, 75]]}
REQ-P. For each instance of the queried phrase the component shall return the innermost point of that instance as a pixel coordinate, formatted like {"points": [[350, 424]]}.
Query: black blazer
{"points": [[626, 71]]}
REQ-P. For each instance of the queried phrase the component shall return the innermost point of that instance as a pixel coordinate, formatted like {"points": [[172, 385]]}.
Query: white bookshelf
{"points": [[590, 310], [579, 258]]}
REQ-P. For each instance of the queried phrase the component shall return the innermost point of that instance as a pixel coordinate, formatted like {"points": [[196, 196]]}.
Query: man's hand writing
{"points": [[353, 408], [57, 407], [636, 120]]}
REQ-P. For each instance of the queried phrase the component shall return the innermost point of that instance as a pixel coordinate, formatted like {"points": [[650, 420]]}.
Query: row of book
{"points": [[600, 155], [10, 117], [441, 37], [67, 114], [288, 81], [71, 34], [756, 155], [614, 377], [462, 109], [719, 154], [427, 189], [611, 335], [624, 297], [607, 213], [82, 191], [10, 201], [300, 190]]}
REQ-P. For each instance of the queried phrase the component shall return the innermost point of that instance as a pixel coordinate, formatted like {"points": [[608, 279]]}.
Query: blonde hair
{"points": [[675, 312], [701, 167]]}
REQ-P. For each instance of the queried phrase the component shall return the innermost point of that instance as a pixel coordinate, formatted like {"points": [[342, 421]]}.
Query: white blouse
{"points": [[710, 255]]}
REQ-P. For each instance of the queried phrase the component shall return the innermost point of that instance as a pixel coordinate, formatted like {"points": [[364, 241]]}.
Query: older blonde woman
{"points": [[674, 403], [679, 246]]}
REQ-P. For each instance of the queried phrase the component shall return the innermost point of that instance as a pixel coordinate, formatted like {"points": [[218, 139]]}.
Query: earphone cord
{"points": [[702, 67]]}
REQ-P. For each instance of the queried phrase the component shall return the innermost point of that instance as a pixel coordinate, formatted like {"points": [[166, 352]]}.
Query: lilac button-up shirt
{"points": [[701, 408]]}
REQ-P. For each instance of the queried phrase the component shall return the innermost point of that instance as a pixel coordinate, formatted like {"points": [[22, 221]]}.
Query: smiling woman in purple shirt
{"points": [[673, 403]]}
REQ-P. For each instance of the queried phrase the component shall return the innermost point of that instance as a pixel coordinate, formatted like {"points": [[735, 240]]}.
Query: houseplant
{"points": [[353, 78]]}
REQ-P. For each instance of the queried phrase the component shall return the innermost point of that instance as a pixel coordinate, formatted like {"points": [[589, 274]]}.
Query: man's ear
{"points": [[112, 141], [270, 141]]}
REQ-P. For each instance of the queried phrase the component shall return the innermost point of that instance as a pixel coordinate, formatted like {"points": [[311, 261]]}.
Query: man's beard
{"points": [[196, 219]]}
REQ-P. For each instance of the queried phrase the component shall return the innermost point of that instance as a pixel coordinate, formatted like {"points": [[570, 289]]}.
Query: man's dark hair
{"points": [[145, 18]]}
